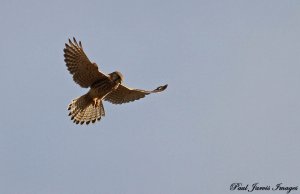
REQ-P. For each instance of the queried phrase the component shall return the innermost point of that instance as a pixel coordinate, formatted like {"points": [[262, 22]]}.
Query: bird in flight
{"points": [[89, 107]]}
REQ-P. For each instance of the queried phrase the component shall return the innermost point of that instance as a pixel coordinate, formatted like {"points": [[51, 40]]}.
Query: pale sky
{"points": [[230, 114]]}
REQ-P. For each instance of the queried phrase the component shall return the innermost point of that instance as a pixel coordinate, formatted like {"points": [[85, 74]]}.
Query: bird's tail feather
{"points": [[85, 110]]}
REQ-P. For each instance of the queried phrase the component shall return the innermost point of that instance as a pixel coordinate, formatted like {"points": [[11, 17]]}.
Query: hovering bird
{"points": [[89, 107]]}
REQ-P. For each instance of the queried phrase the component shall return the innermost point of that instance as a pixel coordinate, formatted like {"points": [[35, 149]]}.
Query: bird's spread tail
{"points": [[86, 109]]}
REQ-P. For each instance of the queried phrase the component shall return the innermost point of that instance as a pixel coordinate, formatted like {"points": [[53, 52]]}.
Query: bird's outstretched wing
{"points": [[84, 72], [124, 94]]}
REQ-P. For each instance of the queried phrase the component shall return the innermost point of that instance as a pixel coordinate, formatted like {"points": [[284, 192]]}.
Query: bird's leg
{"points": [[96, 102]]}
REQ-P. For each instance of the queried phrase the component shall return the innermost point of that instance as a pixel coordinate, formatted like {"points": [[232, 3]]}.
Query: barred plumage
{"points": [[89, 107]]}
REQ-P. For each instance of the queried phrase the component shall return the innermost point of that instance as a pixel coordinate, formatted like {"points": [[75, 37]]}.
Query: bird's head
{"points": [[116, 77]]}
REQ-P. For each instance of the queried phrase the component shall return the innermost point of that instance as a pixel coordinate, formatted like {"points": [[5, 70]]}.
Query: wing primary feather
{"points": [[74, 40], [124, 94], [84, 72]]}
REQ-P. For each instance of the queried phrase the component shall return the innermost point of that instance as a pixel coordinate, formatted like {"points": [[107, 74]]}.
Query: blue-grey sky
{"points": [[230, 114]]}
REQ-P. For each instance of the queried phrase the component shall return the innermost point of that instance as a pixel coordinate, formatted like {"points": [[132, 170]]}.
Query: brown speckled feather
{"points": [[89, 108], [84, 72], [124, 94]]}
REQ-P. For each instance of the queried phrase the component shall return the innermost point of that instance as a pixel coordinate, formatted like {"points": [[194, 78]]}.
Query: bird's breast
{"points": [[102, 88]]}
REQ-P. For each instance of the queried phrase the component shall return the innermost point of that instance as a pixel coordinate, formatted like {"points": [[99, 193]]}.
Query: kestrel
{"points": [[89, 107]]}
